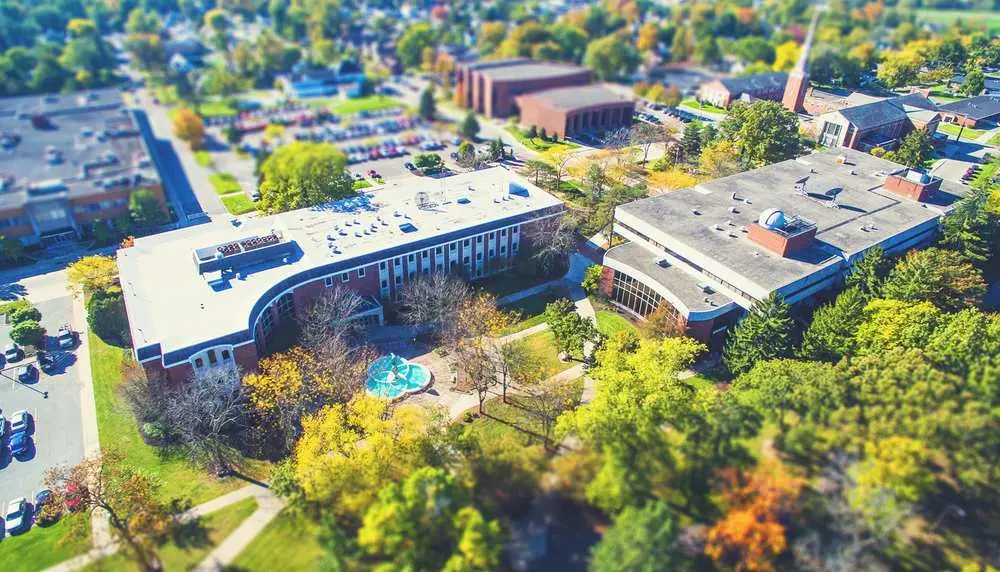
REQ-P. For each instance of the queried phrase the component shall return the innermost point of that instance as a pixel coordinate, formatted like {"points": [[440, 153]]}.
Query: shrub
{"points": [[23, 314], [28, 333], [106, 316], [468, 417]]}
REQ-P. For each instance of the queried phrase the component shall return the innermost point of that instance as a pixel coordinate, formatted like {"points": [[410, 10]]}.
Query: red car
{"points": [[74, 497]]}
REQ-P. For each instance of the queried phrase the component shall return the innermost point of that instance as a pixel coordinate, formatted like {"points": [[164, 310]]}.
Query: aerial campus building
{"points": [[213, 295], [69, 160], [491, 87], [706, 254]]}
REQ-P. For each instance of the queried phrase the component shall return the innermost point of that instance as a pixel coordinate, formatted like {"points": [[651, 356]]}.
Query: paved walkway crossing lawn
{"points": [[192, 543], [543, 346], [288, 543]]}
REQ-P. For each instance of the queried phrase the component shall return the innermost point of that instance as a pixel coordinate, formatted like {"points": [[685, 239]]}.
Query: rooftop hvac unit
{"points": [[733, 210]]}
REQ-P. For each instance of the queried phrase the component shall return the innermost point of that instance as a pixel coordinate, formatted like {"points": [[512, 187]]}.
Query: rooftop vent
{"points": [[695, 212], [663, 263], [734, 210], [407, 227], [463, 201]]}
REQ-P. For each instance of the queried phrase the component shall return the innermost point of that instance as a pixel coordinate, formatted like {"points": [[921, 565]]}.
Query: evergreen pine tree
{"points": [[691, 141], [428, 108], [869, 272], [765, 333], [830, 335]]}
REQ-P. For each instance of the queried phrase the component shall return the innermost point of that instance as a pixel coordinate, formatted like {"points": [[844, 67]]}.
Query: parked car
{"points": [[45, 362], [26, 373], [18, 444], [11, 352], [409, 166], [74, 497], [20, 421], [16, 516]]}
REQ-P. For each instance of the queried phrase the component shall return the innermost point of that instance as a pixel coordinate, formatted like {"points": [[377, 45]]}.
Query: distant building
{"points": [[724, 92], [68, 161], [214, 296], [877, 123], [491, 88], [991, 84], [707, 254], [980, 111], [566, 111], [304, 83]]}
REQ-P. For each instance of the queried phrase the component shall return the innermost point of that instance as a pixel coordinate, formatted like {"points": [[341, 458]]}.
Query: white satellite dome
{"points": [[772, 219]]}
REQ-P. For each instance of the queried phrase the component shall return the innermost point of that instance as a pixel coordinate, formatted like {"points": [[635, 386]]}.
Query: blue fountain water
{"points": [[391, 376]]}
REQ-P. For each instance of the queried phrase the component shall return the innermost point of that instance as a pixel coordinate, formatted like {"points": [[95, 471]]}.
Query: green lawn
{"points": [[939, 96], [695, 104], [990, 20], [192, 543], [352, 106], [512, 419], [42, 547], [216, 109], [224, 183], [238, 204], [610, 323], [287, 543], [952, 129], [532, 309], [167, 94], [543, 346], [118, 430], [539, 144], [362, 184], [995, 140], [203, 158]]}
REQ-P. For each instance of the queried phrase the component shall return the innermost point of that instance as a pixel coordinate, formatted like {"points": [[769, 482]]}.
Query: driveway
{"points": [[54, 402]]}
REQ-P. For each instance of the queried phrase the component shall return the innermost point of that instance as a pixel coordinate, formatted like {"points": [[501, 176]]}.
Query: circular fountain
{"points": [[392, 376]]}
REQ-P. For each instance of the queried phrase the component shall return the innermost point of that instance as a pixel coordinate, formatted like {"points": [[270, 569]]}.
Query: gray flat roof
{"points": [[529, 70], [679, 282], [979, 107], [577, 97], [756, 82], [169, 302], [868, 214], [86, 128]]}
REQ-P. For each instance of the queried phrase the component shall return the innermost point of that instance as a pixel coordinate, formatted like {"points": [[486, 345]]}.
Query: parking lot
{"points": [[53, 402], [382, 142]]}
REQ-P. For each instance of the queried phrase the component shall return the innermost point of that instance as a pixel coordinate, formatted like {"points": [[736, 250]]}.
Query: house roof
{"points": [[576, 97], [885, 111], [757, 82], [979, 107]]}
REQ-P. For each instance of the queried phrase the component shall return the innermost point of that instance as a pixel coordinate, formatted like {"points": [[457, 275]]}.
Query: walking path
{"points": [[268, 506], [527, 292]]}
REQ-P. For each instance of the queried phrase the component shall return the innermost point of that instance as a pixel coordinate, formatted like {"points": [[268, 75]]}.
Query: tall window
{"points": [[831, 135], [634, 295]]}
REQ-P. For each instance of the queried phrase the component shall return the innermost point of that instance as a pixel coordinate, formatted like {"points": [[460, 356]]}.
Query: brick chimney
{"points": [[782, 236], [913, 184], [798, 79]]}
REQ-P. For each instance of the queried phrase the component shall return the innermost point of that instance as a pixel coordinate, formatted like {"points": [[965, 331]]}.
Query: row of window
{"points": [[224, 356], [635, 295], [345, 277], [13, 221], [101, 205]]}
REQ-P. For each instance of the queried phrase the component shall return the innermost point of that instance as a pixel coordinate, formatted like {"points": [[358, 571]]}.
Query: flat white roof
{"points": [[171, 304]]}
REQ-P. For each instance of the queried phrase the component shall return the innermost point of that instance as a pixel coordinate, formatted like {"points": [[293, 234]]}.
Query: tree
{"points": [[27, 333], [765, 333], [466, 153], [915, 151], [541, 171], [469, 127], [720, 159], [551, 241], [663, 322], [546, 402], [303, 174], [753, 531], [812, 391], [91, 274], [899, 68], [424, 523], [428, 108], [672, 180], [145, 209], [532, 132], [11, 249], [830, 335], [974, 84], [611, 57], [496, 150], [764, 132], [591, 283], [868, 273], [106, 316], [205, 412], [706, 51], [217, 20], [571, 330], [489, 37], [640, 540], [349, 452], [596, 181], [785, 56], [189, 127], [971, 228], [428, 162], [691, 140], [414, 40], [899, 464], [943, 277], [751, 49], [434, 300], [681, 45], [645, 135], [127, 496], [475, 338]]}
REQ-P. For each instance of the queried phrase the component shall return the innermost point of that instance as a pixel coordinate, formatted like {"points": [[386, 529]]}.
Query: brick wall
{"points": [[607, 281], [780, 244]]}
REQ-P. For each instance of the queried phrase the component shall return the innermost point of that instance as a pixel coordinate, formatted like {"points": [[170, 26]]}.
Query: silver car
{"points": [[16, 516]]}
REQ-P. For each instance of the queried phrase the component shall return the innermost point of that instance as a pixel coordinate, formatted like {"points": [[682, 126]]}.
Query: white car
{"points": [[16, 516], [19, 421], [3, 426]]}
